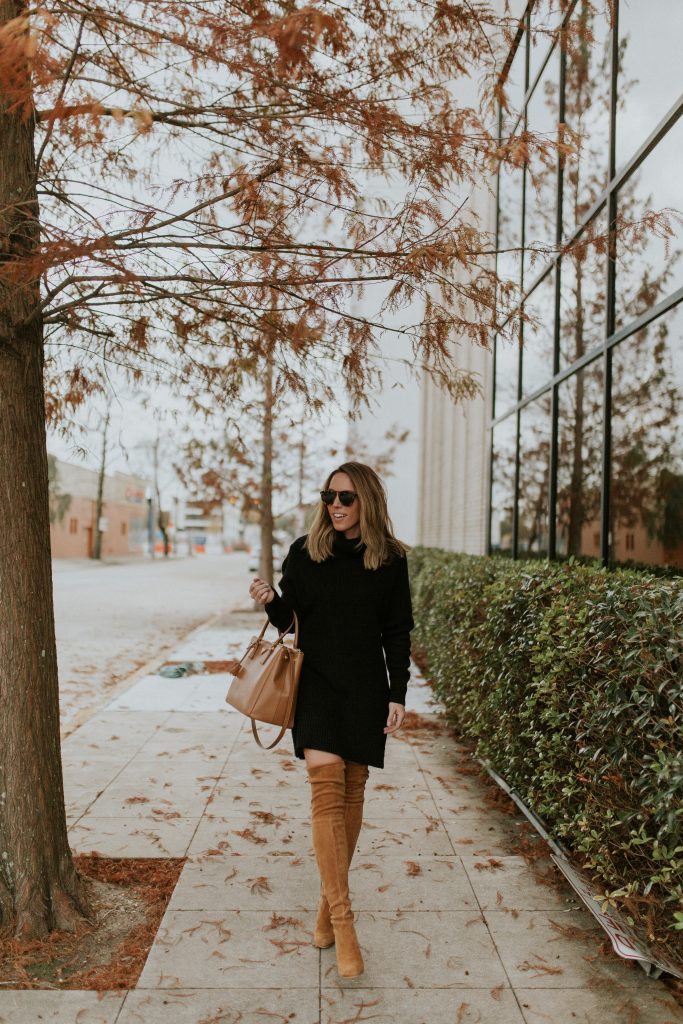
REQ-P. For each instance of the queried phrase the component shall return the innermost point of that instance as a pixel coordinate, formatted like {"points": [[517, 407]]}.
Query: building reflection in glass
{"points": [[649, 82], [539, 336], [534, 478], [503, 485], [622, 478], [646, 508], [541, 186], [507, 373], [583, 290], [545, 19], [509, 258], [649, 267], [515, 88], [586, 113], [579, 461]]}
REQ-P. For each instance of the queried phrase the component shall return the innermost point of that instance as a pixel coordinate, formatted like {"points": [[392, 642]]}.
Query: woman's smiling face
{"points": [[345, 520]]}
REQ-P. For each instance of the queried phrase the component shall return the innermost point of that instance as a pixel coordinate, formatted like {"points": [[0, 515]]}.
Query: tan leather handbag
{"points": [[266, 680]]}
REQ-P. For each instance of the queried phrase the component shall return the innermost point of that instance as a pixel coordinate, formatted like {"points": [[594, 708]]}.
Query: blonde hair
{"points": [[376, 529]]}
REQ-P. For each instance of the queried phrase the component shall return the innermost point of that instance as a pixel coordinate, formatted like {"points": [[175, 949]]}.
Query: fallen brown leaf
{"points": [[491, 865], [279, 921], [259, 886], [539, 969], [248, 833]]}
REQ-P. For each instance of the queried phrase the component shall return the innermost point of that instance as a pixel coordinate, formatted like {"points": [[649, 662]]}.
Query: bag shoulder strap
{"points": [[275, 742]]}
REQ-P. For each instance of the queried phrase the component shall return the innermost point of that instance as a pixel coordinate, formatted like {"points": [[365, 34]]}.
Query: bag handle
{"points": [[281, 634], [292, 697]]}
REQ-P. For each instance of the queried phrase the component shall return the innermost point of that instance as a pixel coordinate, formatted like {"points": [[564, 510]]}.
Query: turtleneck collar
{"points": [[342, 545]]}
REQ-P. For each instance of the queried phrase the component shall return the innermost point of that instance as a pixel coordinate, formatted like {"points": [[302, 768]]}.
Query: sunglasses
{"points": [[346, 497]]}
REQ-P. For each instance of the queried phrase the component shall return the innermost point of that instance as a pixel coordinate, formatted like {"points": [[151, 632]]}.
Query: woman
{"points": [[347, 580]]}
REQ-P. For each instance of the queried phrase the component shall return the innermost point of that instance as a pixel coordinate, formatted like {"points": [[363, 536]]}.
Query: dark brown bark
{"points": [[39, 886], [301, 504], [99, 506], [162, 518], [266, 566]]}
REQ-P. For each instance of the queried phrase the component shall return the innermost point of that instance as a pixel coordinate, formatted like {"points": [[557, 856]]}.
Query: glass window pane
{"points": [[586, 100], [507, 371], [503, 485], [515, 8], [579, 461], [534, 478], [651, 40], [515, 88], [546, 16], [649, 267], [539, 338], [541, 179], [509, 260], [583, 283], [647, 445]]}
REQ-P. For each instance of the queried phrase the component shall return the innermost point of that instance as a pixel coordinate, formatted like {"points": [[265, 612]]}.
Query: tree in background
{"points": [[184, 186], [59, 502], [269, 457], [104, 424]]}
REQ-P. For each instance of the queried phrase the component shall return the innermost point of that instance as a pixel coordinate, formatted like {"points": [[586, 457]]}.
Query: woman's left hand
{"points": [[395, 718]]}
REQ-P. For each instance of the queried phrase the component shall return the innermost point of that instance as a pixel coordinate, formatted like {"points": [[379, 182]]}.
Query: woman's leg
{"points": [[316, 757], [354, 795], [327, 776], [323, 935]]}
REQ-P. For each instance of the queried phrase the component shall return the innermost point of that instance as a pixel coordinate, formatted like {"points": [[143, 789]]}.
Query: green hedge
{"points": [[569, 679]]}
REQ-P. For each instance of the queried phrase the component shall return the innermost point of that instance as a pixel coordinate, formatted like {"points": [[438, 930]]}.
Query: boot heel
{"points": [[349, 957]]}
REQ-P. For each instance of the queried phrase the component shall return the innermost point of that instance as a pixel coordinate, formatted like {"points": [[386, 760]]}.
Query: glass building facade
{"points": [[587, 418]]}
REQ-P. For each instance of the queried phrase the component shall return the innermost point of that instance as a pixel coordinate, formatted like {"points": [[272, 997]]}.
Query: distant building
{"points": [[73, 504], [204, 525]]}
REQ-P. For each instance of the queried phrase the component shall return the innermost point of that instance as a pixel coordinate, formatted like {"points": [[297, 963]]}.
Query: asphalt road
{"points": [[111, 618]]}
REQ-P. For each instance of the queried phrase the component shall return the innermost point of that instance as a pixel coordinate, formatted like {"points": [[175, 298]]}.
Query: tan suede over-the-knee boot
{"points": [[356, 777], [328, 797]]}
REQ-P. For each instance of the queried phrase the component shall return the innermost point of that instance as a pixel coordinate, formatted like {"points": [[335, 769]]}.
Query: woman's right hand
{"points": [[261, 591]]}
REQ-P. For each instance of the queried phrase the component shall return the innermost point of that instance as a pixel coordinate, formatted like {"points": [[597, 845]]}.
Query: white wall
{"points": [[396, 405], [454, 456]]}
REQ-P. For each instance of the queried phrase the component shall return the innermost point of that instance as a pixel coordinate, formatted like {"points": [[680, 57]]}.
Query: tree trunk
{"points": [[301, 503], [266, 566], [39, 886], [99, 505], [161, 518]]}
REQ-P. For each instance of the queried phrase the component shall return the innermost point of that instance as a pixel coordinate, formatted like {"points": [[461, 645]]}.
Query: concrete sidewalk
{"points": [[453, 925]]}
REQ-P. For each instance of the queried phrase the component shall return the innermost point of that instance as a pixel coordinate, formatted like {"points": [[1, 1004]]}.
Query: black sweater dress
{"points": [[354, 630]]}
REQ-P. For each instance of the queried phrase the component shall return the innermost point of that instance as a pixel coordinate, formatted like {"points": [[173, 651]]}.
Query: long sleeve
{"points": [[280, 610], [396, 628]]}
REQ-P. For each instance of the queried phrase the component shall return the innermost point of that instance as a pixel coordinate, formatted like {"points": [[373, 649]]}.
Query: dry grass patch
{"points": [[128, 897]]}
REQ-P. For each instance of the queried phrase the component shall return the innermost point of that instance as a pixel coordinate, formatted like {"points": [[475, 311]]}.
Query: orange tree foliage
{"points": [[217, 181]]}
